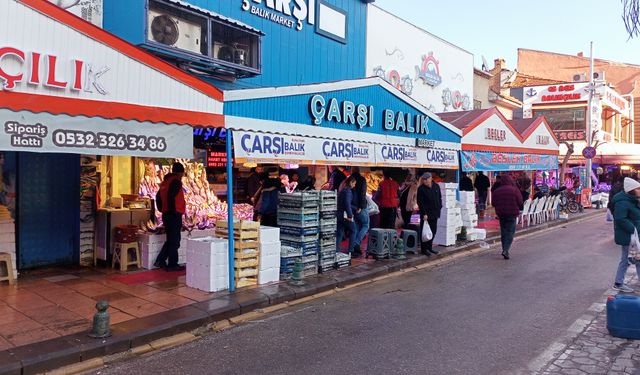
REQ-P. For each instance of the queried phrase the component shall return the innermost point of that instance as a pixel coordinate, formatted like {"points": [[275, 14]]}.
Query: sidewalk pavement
{"points": [[589, 349], [45, 318]]}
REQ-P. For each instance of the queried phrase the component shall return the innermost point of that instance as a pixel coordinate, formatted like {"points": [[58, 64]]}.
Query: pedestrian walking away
{"points": [[482, 185], [388, 201], [361, 215], [465, 183], [429, 204], [507, 201], [346, 209], [626, 221], [267, 207], [170, 201]]}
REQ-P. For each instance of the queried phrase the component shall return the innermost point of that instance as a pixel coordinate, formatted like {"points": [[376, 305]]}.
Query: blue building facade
{"points": [[295, 46]]}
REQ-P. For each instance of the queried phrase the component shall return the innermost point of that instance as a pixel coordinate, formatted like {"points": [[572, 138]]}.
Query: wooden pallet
{"points": [[248, 281], [246, 255], [239, 225], [246, 263], [240, 235]]}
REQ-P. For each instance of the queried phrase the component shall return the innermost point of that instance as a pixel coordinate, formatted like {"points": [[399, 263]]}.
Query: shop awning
{"points": [[274, 125], [607, 153], [94, 93]]}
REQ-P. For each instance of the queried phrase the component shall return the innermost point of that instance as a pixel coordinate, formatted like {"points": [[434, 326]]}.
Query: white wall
{"points": [[396, 45], [89, 10]]}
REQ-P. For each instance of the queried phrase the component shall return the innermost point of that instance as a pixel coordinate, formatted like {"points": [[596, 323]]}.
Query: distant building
{"points": [[491, 89]]}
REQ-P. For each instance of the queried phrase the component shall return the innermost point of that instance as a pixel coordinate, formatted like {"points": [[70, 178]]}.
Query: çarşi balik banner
{"points": [[45, 132], [500, 161]]}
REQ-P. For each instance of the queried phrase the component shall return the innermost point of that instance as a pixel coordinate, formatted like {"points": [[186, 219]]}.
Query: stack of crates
{"points": [[343, 260], [299, 222], [288, 257], [246, 246], [328, 230]]}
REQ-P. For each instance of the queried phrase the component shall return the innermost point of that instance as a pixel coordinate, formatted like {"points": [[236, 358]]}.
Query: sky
{"points": [[497, 28]]}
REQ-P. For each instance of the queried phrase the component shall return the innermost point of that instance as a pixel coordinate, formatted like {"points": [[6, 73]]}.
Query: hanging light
{"points": [[250, 165]]}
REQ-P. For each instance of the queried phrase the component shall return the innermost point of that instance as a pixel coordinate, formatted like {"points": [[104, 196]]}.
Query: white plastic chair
{"points": [[532, 209], [547, 211], [537, 214], [524, 212], [555, 212]]}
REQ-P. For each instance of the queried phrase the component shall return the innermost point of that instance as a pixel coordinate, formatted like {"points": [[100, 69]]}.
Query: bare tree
{"points": [[565, 161], [631, 17]]}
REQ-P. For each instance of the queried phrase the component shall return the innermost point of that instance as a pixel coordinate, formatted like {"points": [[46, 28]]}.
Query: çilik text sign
{"points": [[500, 161]]}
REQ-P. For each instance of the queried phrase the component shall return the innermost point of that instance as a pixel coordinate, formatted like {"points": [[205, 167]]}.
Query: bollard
{"points": [[400, 250], [101, 320], [296, 278]]}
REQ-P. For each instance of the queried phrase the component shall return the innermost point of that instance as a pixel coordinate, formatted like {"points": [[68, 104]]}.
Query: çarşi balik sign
{"points": [[348, 113], [282, 11]]}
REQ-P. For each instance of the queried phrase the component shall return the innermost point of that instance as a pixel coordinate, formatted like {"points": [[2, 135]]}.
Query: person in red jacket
{"points": [[170, 201], [507, 201], [388, 201]]}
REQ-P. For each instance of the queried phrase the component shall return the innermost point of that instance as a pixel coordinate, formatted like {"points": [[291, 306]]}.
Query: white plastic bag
{"points": [[426, 232], [372, 207], [634, 249], [609, 215]]}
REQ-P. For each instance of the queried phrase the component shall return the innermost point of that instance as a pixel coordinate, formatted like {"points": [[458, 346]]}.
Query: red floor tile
{"points": [[29, 337], [169, 300], [145, 310]]}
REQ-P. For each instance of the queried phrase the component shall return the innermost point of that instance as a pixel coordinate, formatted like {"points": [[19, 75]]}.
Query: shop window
{"points": [[202, 42], [564, 119], [477, 104]]}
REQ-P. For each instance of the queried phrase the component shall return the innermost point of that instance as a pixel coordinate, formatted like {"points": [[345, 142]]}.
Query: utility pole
{"points": [[590, 115]]}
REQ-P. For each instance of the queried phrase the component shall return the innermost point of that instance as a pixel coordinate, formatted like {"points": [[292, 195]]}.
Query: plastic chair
{"points": [[6, 258], [532, 209], [539, 210], [555, 210], [525, 211], [121, 255]]}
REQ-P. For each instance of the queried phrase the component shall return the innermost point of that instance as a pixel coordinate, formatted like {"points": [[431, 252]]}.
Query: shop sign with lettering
{"points": [[362, 115], [571, 135], [288, 13], [556, 93], [499, 161], [493, 134]]}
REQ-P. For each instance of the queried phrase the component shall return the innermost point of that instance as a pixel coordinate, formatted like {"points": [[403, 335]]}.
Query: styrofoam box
{"points": [[445, 210], [7, 237], [8, 247], [448, 193], [480, 233], [447, 204], [268, 249], [269, 234], [448, 185], [268, 275], [152, 238], [206, 278], [269, 262], [467, 197], [7, 227]]}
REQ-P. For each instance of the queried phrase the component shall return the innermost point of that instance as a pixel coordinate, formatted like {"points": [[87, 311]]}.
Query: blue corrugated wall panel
{"points": [[295, 109], [289, 57], [48, 209]]}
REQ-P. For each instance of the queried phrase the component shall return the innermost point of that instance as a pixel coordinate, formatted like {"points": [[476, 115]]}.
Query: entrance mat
{"points": [[147, 276]]}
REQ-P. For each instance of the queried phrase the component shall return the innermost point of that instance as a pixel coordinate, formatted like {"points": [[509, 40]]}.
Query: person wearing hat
{"points": [[626, 221], [170, 201], [429, 204]]}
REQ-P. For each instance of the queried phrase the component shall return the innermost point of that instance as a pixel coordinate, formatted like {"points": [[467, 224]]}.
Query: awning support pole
{"points": [[232, 287]]}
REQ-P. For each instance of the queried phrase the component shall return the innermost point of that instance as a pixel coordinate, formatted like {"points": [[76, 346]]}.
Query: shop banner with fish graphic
{"points": [[473, 161]]}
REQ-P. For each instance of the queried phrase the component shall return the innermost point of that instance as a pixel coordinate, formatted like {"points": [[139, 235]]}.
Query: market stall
{"points": [[495, 145], [365, 123], [75, 117]]}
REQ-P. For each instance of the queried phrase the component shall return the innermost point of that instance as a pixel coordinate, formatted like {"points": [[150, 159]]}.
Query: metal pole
{"points": [[590, 114], [229, 139]]}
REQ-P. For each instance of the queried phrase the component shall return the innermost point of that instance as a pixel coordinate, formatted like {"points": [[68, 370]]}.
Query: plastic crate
{"points": [[290, 251], [310, 272], [330, 227], [310, 251], [326, 215], [293, 215], [292, 231], [326, 268]]}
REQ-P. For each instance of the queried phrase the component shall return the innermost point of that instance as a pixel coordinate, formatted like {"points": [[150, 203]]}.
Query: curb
{"points": [[78, 353]]}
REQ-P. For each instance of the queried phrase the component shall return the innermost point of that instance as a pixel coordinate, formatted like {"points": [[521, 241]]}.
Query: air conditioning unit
{"points": [[580, 77], [598, 76], [173, 31], [235, 53]]}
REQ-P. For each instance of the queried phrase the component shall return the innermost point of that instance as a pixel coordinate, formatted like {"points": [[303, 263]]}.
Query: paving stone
{"points": [[584, 361], [591, 369]]}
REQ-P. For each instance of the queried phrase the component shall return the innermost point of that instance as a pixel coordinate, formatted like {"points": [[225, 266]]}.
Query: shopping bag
{"points": [[399, 221], [372, 207], [609, 215], [426, 232], [634, 249]]}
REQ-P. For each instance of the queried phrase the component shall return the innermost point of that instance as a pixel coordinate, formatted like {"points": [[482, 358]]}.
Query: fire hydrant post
{"points": [[101, 321], [296, 278]]}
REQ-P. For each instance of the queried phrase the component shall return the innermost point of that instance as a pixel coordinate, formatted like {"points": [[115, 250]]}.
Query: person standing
{"points": [[507, 201], [524, 185], [615, 189], [170, 201], [465, 183], [429, 204], [337, 178], [626, 221], [482, 185], [267, 207], [388, 201], [253, 185], [362, 213], [408, 199], [346, 209]]}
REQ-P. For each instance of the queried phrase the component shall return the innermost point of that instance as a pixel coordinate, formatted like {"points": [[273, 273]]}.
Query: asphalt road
{"points": [[482, 315]]}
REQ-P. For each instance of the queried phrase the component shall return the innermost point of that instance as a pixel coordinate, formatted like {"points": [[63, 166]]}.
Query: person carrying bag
{"points": [[626, 224]]}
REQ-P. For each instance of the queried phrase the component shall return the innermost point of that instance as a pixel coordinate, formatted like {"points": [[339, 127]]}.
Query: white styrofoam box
{"points": [[470, 224], [449, 204], [269, 234], [7, 227], [152, 238], [467, 197], [269, 262], [7, 237], [208, 279], [269, 275], [448, 193], [480, 233], [268, 249], [448, 185], [444, 240], [208, 251], [8, 247]]}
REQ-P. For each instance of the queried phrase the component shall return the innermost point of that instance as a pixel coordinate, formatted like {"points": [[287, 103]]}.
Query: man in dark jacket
{"points": [[507, 201], [337, 177], [170, 201], [615, 189], [465, 183], [361, 216], [482, 185], [429, 204]]}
